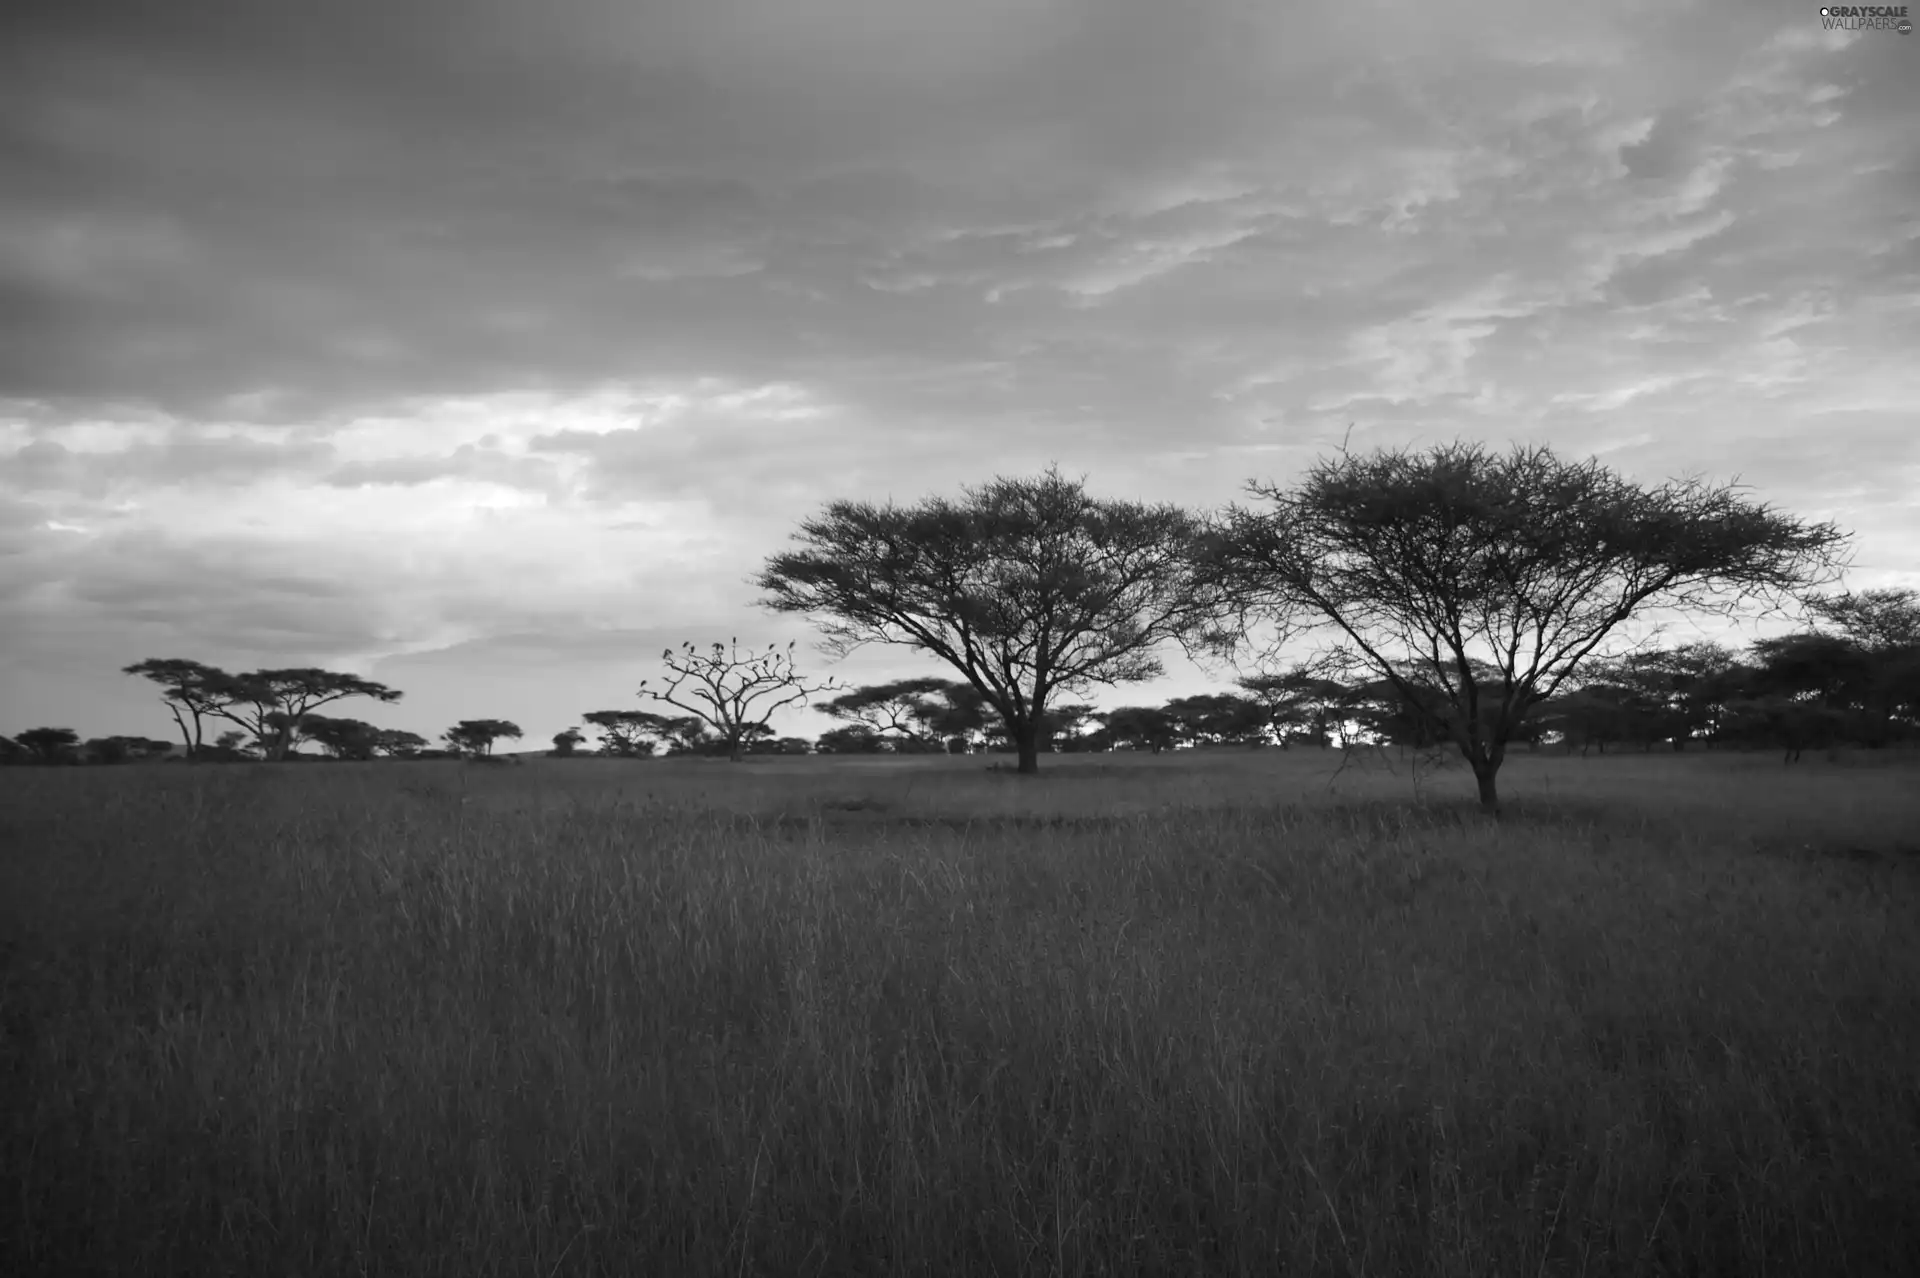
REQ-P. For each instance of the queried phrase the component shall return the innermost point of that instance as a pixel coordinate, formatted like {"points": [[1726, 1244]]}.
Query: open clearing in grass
{"points": [[1188, 1014]]}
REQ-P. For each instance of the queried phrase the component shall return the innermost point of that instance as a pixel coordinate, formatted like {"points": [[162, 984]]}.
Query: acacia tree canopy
{"points": [[1878, 621], [476, 736], [187, 686], [396, 743], [904, 707], [638, 733], [341, 738], [1303, 700], [122, 749], [1148, 727], [1027, 587], [1431, 560], [50, 745], [271, 703]]}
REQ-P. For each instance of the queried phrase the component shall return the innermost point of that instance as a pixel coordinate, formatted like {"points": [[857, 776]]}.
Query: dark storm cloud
{"points": [[354, 202]]}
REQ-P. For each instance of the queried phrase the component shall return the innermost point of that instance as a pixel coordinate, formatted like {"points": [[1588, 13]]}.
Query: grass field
{"points": [[1196, 1014]]}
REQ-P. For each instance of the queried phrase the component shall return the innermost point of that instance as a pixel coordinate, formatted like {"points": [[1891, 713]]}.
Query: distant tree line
{"points": [[1854, 679], [1469, 599]]}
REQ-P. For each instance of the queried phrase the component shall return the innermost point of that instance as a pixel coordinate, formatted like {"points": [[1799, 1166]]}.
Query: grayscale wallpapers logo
{"points": [[1866, 17]]}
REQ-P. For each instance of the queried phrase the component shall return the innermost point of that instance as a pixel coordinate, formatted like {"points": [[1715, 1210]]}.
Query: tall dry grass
{"points": [[1179, 1015]]}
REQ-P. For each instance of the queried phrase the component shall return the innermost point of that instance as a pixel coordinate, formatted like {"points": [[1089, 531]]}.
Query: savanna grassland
{"points": [[1195, 1014]]}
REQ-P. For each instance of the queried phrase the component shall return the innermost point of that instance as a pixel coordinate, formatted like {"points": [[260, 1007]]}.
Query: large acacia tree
{"points": [[1027, 587], [1424, 564]]}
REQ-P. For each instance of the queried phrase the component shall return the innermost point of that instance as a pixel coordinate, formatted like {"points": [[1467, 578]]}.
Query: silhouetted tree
{"points": [[730, 693], [398, 744], [1676, 694], [1876, 620], [340, 738], [637, 734], [233, 747], [190, 690], [1379, 711], [1788, 724], [1142, 727], [687, 734], [566, 744], [1067, 727], [1062, 727], [1807, 689], [1522, 560], [756, 738], [119, 749], [50, 745], [1027, 587], [850, 738], [1304, 701], [1829, 669], [271, 703], [1414, 711], [1214, 718], [1884, 627], [910, 709], [1595, 715], [958, 710], [476, 736]]}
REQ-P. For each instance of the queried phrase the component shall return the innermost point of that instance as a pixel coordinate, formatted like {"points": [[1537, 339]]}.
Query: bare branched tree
{"points": [[734, 694]]}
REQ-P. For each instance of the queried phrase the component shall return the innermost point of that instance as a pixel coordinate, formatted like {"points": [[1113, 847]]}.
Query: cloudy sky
{"points": [[486, 349]]}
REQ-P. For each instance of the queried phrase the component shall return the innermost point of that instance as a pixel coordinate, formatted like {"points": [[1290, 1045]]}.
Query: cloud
{"points": [[496, 320], [468, 462], [186, 460]]}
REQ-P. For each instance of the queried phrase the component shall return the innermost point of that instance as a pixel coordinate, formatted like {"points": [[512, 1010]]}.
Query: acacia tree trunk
{"points": [[1485, 761], [1484, 773], [191, 739], [1027, 742]]}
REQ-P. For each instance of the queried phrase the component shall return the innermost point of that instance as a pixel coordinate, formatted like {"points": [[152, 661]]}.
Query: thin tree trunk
{"points": [[185, 736]]}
